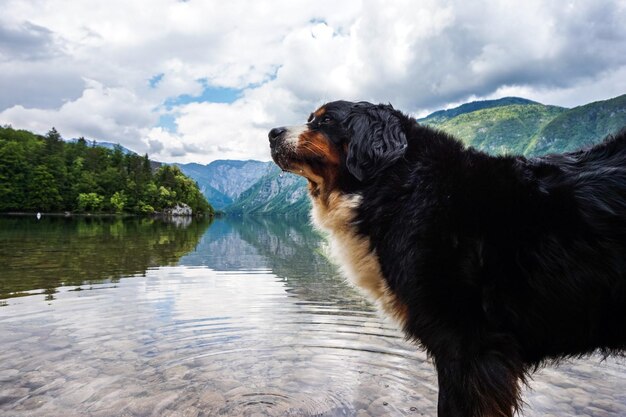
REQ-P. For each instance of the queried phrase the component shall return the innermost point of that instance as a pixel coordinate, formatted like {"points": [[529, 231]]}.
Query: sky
{"points": [[196, 81]]}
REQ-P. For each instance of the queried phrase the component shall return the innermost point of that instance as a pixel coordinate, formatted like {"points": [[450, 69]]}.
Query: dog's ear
{"points": [[376, 142]]}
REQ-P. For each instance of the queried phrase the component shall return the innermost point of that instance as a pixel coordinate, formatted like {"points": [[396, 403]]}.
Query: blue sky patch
{"points": [[168, 122], [154, 81], [210, 94]]}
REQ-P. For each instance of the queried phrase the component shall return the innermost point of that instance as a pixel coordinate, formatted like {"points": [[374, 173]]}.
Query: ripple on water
{"points": [[196, 342], [202, 342]]}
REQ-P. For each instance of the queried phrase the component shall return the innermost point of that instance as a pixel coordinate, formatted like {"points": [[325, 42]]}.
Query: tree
{"points": [[118, 201], [89, 201], [41, 191], [54, 136], [144, 208], [13, 169]]}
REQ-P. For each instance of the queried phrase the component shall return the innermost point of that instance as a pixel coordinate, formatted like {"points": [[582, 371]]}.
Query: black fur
{"points": [[504, 262], [376, 142]]}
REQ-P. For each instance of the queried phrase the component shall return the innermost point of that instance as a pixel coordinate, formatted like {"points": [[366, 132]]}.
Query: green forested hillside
{"points": [[581, 126], [44, 173], [518, 126], [441, 116], [504, 129]]}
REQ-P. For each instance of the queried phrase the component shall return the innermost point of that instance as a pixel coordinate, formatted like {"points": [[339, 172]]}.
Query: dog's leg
{"points": [[486, 385]]}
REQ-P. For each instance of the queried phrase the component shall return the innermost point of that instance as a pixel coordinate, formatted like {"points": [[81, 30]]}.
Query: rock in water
{"points": [[180, 209]]}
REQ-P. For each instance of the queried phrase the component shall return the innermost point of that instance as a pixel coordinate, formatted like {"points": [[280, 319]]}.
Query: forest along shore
{"points": [[46, 174]]}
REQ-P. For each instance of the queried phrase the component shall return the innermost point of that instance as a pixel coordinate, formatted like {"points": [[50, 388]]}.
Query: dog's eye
{"points": [[326, 120]]}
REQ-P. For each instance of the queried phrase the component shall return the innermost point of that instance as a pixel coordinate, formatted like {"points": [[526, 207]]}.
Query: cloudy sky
{"points": [[203, 80]]}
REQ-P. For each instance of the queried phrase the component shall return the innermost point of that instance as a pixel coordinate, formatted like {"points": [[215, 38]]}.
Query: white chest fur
{"points": [[352, 251]]}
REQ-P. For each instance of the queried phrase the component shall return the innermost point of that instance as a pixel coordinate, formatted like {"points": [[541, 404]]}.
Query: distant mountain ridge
{"points": [[223, 181], [581, 126], [518, 126], [250, 187], [275, 193], [510, 128], [107, 145], [442, 115]]}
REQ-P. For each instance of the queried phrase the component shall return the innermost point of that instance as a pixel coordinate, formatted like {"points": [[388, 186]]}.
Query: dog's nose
{"points": [[275, 134]]}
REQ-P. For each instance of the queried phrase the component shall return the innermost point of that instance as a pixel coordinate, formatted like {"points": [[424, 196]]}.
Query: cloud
{"points": [[197, 81], [26, 52], [114, 114], [25, 86], [605, 85], [27, 41], [238, 130]]}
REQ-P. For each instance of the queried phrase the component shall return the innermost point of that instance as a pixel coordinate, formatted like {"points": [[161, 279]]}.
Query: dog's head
{"points": [[343, 144]]}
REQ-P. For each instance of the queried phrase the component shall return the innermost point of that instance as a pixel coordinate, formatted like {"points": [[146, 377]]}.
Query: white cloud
{"points": [[208, 131], [114, 114], [288, 57], [605, 85]]}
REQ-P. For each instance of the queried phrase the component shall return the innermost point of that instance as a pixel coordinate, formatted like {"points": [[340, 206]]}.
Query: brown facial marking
{"points": [[319, 112], [315, 144], [322, 175]]}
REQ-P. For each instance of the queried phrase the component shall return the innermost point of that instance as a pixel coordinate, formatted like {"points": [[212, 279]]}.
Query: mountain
{"points": [[520, 126], [249, 187], [107, 145], [509, 128], [275, 193], [442, 115], [223, 181], [581, 126]]}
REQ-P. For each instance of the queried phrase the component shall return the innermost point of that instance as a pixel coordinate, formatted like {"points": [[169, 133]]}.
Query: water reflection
{"points": [[291, 250], [42, 255], [237, 318]]}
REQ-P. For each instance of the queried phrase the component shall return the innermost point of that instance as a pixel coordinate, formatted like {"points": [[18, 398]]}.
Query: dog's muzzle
{"points": [[277, 146], [275, 135], [284, 144]]}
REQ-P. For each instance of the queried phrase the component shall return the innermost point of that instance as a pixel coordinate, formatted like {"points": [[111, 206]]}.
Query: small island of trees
{"points": [[47, 174]]}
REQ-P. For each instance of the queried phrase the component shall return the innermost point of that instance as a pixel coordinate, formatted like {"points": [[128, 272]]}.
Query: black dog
{"points": [[493, 264]]}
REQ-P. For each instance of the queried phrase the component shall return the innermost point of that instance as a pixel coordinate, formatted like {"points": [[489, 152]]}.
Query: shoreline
{"points": [[66, 214], [109, 215]]}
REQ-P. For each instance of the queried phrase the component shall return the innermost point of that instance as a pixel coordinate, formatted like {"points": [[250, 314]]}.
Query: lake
{"points": [[239, 317]]}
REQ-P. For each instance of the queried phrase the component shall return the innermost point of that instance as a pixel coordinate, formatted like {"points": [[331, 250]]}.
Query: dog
{"points": [[495, 265]]}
